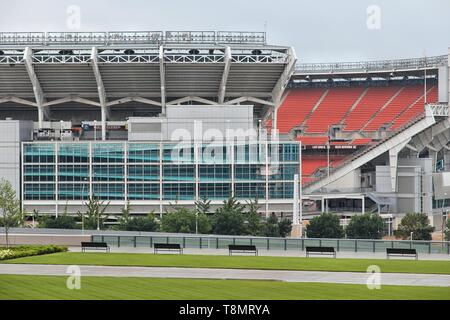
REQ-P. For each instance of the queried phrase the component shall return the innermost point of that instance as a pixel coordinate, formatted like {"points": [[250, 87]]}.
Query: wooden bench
{"points": [[242, 249], [94, 246], [402, 253], [320, 251], [167, 247]]}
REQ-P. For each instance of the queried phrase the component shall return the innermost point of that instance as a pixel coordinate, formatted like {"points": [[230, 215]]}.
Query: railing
{"points": [[363, 151], [439, 110], [364, 66], [130, 38], [291, 244]]}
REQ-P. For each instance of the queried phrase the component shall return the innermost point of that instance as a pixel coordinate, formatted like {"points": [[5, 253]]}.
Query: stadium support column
{"points": [[393, 161], [105, 114], [226, 72], [37, 89], [162, 75]]}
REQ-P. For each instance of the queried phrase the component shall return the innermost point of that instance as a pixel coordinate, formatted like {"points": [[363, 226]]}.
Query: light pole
{"points": [[95, 130], [82, 203], [328, 153], [60, 129]]}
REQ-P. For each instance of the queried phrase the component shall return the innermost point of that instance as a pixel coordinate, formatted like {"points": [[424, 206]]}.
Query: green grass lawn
{"points": [[237, 262], [102, 288]]}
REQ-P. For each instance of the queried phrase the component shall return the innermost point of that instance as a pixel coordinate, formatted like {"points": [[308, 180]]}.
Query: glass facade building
{"points": [[157, 173]]}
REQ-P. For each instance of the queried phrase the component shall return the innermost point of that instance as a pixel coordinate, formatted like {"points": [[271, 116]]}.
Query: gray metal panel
{"points": [[59, 80], [121, 80], [443, 84], [14, 80]]}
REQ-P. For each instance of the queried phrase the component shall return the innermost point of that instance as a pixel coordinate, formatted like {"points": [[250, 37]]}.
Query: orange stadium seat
{"points": [[374, 99], [296, 107], [332, 109], [400, 103]]}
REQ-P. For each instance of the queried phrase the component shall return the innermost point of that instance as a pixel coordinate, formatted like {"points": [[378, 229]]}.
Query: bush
{"points": [[62, 222], [147, 223], [29, 250], [327, 225], [182, 220], [365, 226], [418, 224]]}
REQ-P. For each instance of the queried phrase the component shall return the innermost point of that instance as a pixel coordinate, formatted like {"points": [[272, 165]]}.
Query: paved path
{"points": [[277, 253], [204, 273]]}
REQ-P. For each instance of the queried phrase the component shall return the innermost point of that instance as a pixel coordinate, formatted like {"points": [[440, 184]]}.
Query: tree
{"points": [[277, 228], [182, 220], [447, 230], [285, 226], [230, 218], [271, 227], [254, 222], [418, 224], [326, 225], [125, 217], [95, 215], [365, 226], [10, 209], [203, 205]]}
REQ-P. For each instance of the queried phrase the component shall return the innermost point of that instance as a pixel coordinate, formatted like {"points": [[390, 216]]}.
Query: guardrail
{"points": [[222, 242], [379, 65], [130, 38]]}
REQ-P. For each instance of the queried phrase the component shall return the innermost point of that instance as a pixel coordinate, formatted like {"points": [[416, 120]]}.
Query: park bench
{"points": [[402, 252], [167, 247], [94, 246], [242, 249], [320, 251]]}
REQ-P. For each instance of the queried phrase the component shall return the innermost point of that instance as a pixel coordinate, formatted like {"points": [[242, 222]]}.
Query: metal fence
{"points": [[222, 242]]}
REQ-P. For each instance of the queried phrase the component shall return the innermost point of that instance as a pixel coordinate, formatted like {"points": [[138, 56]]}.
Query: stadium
{"points": [[99, 115]]}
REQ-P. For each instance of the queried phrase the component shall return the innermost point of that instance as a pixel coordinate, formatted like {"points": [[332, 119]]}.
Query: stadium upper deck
{"points": [[107, 71]]}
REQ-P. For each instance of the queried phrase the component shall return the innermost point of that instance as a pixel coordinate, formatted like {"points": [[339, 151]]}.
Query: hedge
{"points": [[29, 250]]}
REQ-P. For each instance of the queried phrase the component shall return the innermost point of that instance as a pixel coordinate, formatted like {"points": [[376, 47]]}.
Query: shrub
{"points": [[327, 225], [147, 223], [182, 220], [62, 222], [29, 250]]}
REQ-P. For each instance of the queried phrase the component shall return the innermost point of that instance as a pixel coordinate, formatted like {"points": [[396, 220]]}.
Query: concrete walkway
{"points": [[277, 253], [205, 273]]}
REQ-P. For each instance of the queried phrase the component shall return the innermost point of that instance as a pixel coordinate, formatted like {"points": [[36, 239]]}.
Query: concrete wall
{"points": [[190, 121], [62, 240], [443, 84], [12, 132]]}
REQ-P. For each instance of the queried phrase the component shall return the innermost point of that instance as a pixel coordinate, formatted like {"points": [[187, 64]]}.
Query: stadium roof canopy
{"points": [[105, 69]]}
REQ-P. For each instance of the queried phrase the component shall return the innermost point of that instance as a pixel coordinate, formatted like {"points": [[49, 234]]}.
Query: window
{"points": [[148, 153], [143, 191], [39, 173], [73, 153], [143, 173]]}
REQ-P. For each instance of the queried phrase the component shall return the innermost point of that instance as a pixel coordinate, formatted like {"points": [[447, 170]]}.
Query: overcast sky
{"points": [[320, 30]]}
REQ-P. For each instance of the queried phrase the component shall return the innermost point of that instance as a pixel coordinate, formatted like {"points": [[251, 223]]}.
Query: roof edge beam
{"points": [[191, 98]]}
